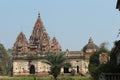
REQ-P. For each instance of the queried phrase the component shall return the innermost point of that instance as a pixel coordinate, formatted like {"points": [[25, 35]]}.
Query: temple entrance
{"points": [[77, 69], [66, 70], [32, 69]]}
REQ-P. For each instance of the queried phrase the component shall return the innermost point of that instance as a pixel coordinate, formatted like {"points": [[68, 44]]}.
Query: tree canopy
{"points": [[95, 68], [4, 61]]}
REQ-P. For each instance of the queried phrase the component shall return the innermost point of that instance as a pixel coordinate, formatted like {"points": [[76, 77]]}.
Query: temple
{"points": [[28, 56]]}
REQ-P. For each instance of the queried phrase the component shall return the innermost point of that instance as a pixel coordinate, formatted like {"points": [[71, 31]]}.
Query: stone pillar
{"points": [[62, 70]]}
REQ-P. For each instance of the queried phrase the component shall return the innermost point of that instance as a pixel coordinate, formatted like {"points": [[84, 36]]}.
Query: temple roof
{"points": [[55, 46], [39, 40], [90, 45], [20, 46], [21, 37], [38, 22]]}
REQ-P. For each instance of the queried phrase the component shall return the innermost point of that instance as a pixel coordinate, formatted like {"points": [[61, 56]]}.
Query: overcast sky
{"points": [[72, 22]]}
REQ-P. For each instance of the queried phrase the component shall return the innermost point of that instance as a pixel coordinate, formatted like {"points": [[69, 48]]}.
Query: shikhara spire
{"points": [[21, 44], [38, 23], [39, 40]]}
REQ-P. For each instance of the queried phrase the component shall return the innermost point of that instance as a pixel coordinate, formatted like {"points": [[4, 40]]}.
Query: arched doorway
{"points": [[32, 69], [66, 70], [77, 69]]}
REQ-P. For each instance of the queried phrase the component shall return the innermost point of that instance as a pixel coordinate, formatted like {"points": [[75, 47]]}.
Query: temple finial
{"points": [[90, 40], [21, 28], [38, 14]]}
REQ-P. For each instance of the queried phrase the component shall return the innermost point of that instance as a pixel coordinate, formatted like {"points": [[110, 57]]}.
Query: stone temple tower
{"points": [[39, 40], [21, 44], [55, 46], [28, 55]]}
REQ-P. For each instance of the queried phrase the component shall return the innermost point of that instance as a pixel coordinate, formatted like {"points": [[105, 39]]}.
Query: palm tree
{"points": [[56, 61]]}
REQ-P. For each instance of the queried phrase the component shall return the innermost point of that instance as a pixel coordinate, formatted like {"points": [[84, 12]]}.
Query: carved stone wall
{"points": [[23, 67]]}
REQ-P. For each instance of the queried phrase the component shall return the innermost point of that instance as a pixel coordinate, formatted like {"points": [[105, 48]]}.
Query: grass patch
{"points": [[47, 78]]}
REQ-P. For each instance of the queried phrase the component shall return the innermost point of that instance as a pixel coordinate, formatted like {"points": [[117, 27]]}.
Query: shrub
{"points": [[72, 72]]}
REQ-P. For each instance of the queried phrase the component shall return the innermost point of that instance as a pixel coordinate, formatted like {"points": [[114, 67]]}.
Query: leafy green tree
{"points": [[56, 61], [95, 68], [113, 67], [4, 60], [10, 62]]}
